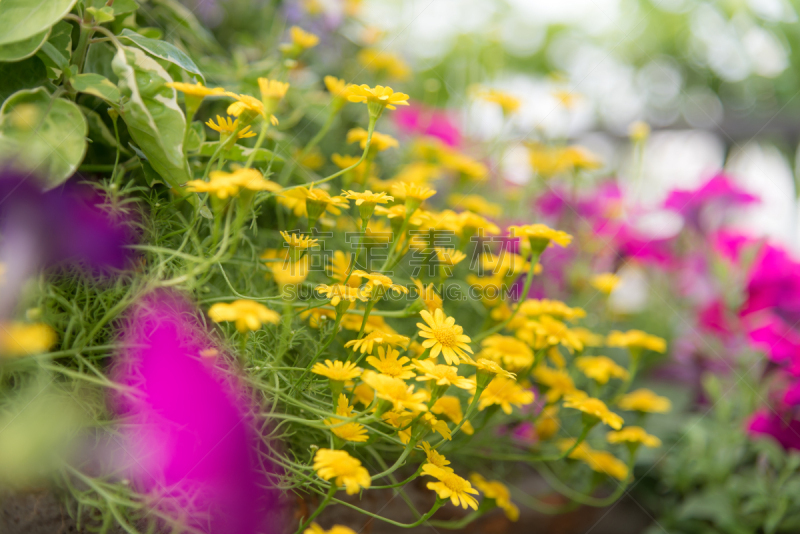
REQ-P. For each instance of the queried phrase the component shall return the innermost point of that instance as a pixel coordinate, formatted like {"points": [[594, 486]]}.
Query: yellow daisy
{"points": [[540, 231], [434, 457], [605, 282], [380, 95], [636, 339], [343, 468], [406, 190], [196, 89], [380, 283], [505, 392], [594, 407], [644, 400], [299, 241], [401, 395], [442, 375], [339, 292], [302, 38], [390, 363], [600, 368], [451, 486], [379, 142], [443, 335], [633, 434], [225, 126], [352, 431], [247, 314], [22, 339], [508, 103], [494, 489], [338, 371], [512, 353]]}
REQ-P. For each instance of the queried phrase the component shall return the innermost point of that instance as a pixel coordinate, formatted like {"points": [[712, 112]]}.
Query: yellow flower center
{"points": [[445, 335]]}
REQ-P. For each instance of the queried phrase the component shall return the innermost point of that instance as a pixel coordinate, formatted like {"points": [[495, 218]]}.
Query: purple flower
{"points": [[704, 208], [417, 120], [190, 438], [44, 228]]}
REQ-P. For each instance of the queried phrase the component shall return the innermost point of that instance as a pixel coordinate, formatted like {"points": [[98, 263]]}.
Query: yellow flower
{"points": [[272, 89], [367, 197], [451, 486], [336, 87], [600, 461], [450, 407], [400, 421], [378, 60], [546, 332], [248, 314], [318, 201], [566, 98], [547, 423], [508, 103], [549, 161], [245, 104], [558, 381], [639, 131], [379, 142], [605, 282], [475, 223], [588, 338], [196, 89], [508, 351], [506, 264], [339, 292], [294, 200], [428, 295], [225, 126], [317, 316], [364, 394], [353, 321], [636, 339], [505, 392], [644, 400], [600, 368], [342, 467], [540, 231], [299, 241], [476, 204], [435, 458], [418, 172], [633, 434], [394, 390], [405, 190], [555, 308], [337, 371], [380, 282], [288, 272], [494, 489], [340, 266], [335, 529], [302, 38], [491, 367], [594, 407], [465, 165], [450, 256], [443, 335], [22, 339], [443, 375], [349, 431], [380, 95], [390, 363]]}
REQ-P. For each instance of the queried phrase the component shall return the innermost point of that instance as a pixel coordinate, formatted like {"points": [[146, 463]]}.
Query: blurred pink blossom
{"points": [[418, 120]]}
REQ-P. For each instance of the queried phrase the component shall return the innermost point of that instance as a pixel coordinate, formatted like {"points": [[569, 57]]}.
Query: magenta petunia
{"points": [[190, 440], [418, 120], [703, 208], [785, 432]]}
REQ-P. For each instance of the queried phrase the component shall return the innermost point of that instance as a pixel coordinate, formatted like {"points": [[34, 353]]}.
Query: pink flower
{"points": [[787, 433], [417, 120], [189, 435], [704, 207]]}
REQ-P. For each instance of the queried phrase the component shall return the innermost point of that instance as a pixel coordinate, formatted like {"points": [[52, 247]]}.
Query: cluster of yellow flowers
{"points": [[423, 377]]}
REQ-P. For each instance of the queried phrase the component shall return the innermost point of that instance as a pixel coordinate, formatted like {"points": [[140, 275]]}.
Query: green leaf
{"points": [[163, 50], [99, 59], [23, 49], [58, 55], [119, 7], [99, 132], [151, 112], [21, 19], [240, 153], [25, 74], [101, 15], [97, 85], [196, 137], [43, 134]]}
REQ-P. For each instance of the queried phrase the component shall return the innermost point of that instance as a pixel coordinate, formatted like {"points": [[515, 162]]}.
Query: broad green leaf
{"points": [[151, 112], [99, 59], [162, 49], [97, 85], [57, 56], [101, 15], [21, 19], [23, 49], [240, 153], [196, 137], [119, 7], [25, 74], [99, 132], [43, 134]]}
